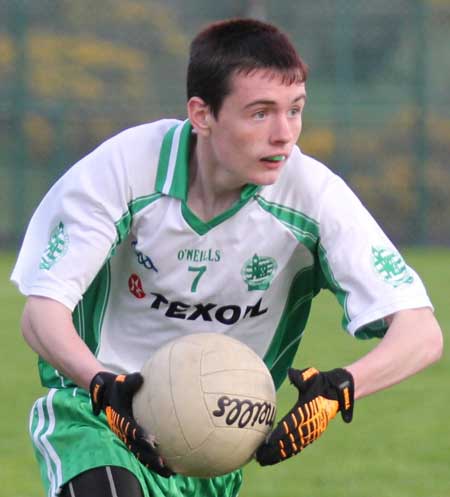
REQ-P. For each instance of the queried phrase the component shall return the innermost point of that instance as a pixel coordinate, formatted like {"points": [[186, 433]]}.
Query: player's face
{"points": [[258, 124]]}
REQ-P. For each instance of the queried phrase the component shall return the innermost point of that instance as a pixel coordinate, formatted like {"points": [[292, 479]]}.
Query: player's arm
{"points": [[413, 341], [48, 328]]}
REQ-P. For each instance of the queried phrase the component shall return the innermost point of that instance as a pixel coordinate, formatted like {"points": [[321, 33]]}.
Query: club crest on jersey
{"points": [[57, 247], [258, 272], [391, 267]]}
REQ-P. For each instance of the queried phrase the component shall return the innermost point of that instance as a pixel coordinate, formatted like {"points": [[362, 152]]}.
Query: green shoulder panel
{"points": [[291, 326], [304, 287]]}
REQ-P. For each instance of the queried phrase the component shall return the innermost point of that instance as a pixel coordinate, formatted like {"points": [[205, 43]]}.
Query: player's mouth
{"points": [[274, 161]]}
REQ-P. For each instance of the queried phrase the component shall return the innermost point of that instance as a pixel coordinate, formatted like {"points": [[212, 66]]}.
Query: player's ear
{"points": [[199, 115]]}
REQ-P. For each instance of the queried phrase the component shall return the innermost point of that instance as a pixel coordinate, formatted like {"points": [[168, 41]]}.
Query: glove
{"points": [[321, 396], [113, 394]]}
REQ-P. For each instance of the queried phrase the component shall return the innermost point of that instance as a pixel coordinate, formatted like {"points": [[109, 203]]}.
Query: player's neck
{"points": [[211, 191]]}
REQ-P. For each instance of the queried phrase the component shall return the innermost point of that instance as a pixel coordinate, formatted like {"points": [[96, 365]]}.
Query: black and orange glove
{"points": [[113, 394], [321, 396]]}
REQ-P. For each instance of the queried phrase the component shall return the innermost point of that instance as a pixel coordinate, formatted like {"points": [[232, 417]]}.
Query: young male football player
{"points": [[218, 223]]}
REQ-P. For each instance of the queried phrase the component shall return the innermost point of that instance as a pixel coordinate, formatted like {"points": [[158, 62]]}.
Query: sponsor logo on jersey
{"points": [[225, 314], [135, 286], [143, 259], [56, 248], [390, 266], [258, 272], [198, 255]]}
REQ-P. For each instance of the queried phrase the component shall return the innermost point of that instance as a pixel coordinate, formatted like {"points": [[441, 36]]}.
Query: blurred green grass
{"points": [[398, 444]]}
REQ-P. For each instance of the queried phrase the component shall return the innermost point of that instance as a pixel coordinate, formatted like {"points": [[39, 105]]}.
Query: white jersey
{"points": [[115, 241]]}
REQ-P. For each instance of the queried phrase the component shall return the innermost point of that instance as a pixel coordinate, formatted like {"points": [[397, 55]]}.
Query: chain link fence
{"points": [[378, 113]]}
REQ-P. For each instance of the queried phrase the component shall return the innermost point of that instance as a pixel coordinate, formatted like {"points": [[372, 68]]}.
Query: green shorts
{"points": [[68, 440]]}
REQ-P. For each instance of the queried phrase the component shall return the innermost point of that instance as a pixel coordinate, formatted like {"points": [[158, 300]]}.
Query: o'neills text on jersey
{"points": [[197, 255]]}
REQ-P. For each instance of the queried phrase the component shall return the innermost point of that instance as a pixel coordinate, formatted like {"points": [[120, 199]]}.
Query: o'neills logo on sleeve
{"points": [[57, 247]]}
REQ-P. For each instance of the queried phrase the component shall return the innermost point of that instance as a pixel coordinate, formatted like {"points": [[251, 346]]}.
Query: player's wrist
{"points": [[99, 385], [341, 380]]}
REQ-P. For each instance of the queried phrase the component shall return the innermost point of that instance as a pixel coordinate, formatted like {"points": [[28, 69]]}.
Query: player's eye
{"points": [[260, 115], [294, 112]]}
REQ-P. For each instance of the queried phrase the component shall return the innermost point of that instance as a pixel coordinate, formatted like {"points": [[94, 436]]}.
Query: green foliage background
{"points": [[74, 73], [397, 446]]}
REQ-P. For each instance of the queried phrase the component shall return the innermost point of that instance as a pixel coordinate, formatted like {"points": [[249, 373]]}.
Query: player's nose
{"points": [[282, 130]]}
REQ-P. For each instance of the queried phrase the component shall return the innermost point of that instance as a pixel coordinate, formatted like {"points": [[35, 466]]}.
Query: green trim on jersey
{"points": [[87, 318], [173, 178], [304, 228], [333, 285], [89, 313], [164, 157], [304, 287], [289, 332], [140, 203], [123, 225], [202, 227], [172, 174], [95, 302], [377, 329], [306, 231]]}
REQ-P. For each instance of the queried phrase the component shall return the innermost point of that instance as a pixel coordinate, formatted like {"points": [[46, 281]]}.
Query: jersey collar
{"points": [[173, 167]]}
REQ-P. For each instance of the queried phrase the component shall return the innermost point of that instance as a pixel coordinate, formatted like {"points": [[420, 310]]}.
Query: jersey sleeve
{"points": [[75, 227], [361, 265]]}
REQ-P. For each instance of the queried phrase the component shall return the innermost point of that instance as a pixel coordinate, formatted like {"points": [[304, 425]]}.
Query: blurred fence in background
{"points": [[72, 73]]}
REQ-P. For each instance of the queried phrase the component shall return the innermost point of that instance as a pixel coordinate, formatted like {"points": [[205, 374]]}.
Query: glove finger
{"points": [[283, 428], [302, 378], [149, 457], [278, 448], [133, 382], [97, 406], [268, 454], [281, 444], [125, 386], [300, 427], [131, 429], [165, 472], [289, 424]]}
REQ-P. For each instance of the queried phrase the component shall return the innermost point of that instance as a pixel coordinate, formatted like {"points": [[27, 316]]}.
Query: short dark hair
{"points": [[234, 46]]}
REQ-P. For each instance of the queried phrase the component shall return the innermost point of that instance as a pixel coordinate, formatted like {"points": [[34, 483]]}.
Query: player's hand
{"points": [[321, 396], [113, 394]]}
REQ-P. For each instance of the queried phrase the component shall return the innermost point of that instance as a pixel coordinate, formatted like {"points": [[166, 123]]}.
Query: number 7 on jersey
{"points": [[200, 270]]}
